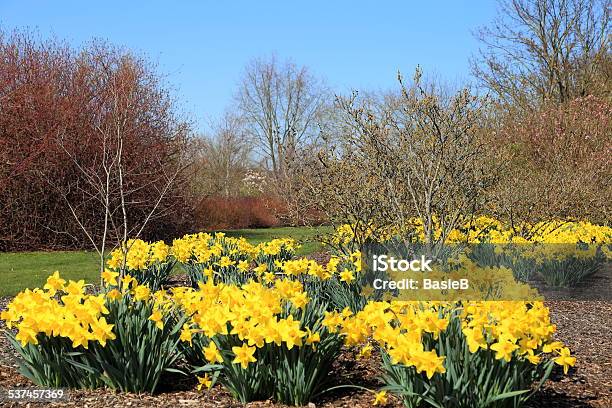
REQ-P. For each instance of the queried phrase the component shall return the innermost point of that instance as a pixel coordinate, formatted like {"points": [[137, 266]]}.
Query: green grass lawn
{"points": [[19, 270]]}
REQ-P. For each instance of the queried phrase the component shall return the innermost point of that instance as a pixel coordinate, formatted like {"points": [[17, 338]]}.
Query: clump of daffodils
{"points": [[63, 334], [343, 267], [408, 331], [202, 247], [60, 309], [149, 263], [513, 330], [283, 247], [421, 342], [255, 313], [267, 339], [139, 255], [214, 256]]}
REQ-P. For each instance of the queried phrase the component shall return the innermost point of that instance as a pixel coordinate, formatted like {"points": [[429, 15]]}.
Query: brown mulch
{"points": [[583, 325]]}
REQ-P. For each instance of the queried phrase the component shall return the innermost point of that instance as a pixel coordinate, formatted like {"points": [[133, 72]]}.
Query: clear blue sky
{"points": [[203, 46]]}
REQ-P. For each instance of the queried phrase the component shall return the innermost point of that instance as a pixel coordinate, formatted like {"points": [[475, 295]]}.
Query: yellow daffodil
{"points": [[205, 381], [110, 277], [212, 354], [347, 276], [54, 282], [380, 398], [565, 359], [244, 355], [157, 317]]}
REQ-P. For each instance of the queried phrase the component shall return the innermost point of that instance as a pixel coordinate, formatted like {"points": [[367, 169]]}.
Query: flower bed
{"points": [[265, 325]]}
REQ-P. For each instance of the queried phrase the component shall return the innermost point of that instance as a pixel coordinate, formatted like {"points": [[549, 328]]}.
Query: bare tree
{"points": [[128, 191], [223, 158], [546, 50], [280, 103]]}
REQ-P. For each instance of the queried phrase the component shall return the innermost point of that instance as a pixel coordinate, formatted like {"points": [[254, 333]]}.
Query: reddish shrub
{"points": [[58, 104], [558, 161], [237, 212]]}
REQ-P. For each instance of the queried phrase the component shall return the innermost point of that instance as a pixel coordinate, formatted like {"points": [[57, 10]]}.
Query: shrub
{"points": [[57, 102], [558, 158], [237, 212]]}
